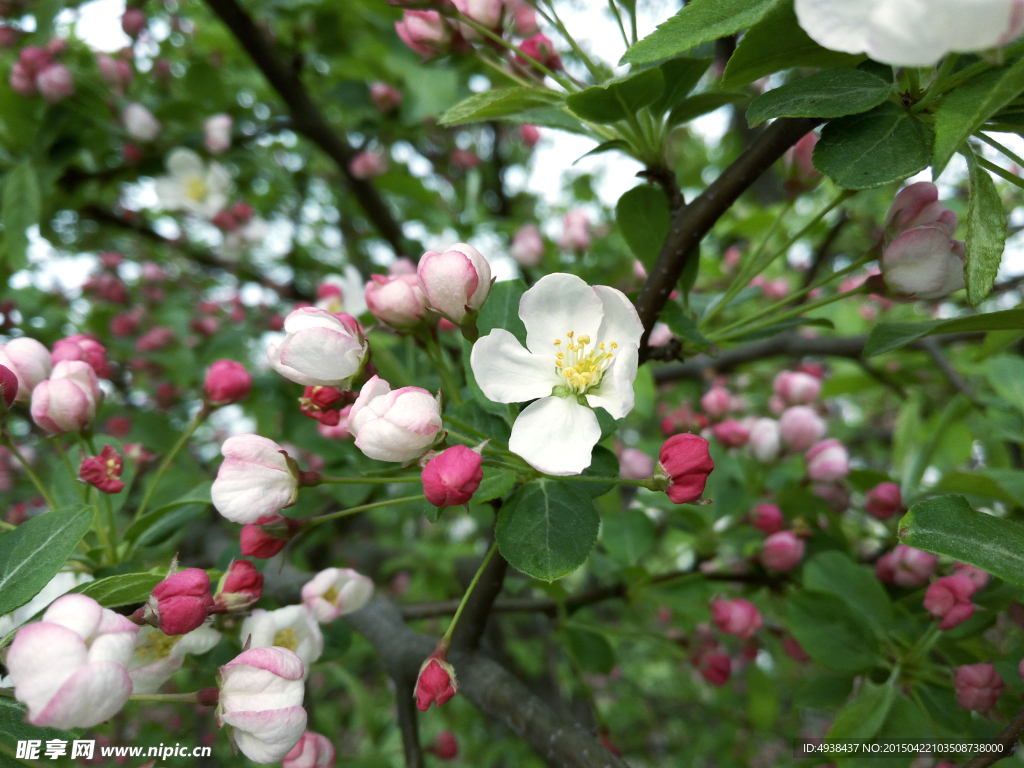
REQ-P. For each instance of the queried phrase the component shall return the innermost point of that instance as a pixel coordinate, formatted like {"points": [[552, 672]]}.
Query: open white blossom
{"points": [[911, 33], [293, 627], [192, 185], [582, 346], [158, 656], [350, 296]]}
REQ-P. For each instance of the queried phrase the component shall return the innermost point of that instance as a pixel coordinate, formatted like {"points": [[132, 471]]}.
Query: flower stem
{"points": [[1001, 172], [938, 84], [313, 521], [188, 698], [448, 383], [645, 483], [791, 313], [1000, 148], [474, 431], [368, 480], [82, 490], [196, 421], [469, 590], [5, 440]]}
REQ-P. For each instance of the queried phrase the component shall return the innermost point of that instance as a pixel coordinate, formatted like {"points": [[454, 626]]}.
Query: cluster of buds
{"points": [[36, 73], [325, 404]]}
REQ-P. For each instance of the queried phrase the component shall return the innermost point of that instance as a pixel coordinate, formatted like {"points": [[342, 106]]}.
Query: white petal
{"points": [[508, 373], [615, 392], [841, 25], [621, 323], [556, 435], [184, 162], [169, 193], [905, 33], [557, 304]]}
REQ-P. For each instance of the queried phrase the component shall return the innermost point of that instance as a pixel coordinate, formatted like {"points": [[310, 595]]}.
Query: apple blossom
{"points": [[155, 339], [796, 387], [29, 360], [582, 345], [56, 83], [731, 433], [978, 576], [428, 33], [542, 50], [261, 693], [685, 460], [320, 348], [385, 97], [293, 627], [634, 464], [70, 668], [313, 751], [338, 431], [394, 425], [883, 501], [455, 282], [193, 186], [217, 133], [576, 231], [61, 583], [717, 402], [103, 471], [343, 293], [661, 335], [257, 478], [335, 592], [524, 18], [906, 566], [765, 440], [530, 134], [767, 518], [81, 347], [158, 656], [366, 165], [715, 667], [452, 477], [800, 427], [833, 494], [436, 682], [464, 159], [527, 246], [737, 617], [319, 403], [827, 461], [978, 686], [67, 401], [398, 301], [227, 382], [782, 551], [140, 123], [133, 21], [8, 386], [949, 598], [486, 13], [238, 589], [180, 603], [800, 174], [267, 536], [445, 746], [117, 72]]}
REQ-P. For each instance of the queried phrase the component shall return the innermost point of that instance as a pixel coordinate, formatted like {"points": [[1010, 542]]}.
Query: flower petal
{"points": [[615, 392], [621, 323], [266, 737], [556, 435], [555, 305], [841, 25], [94, 693], [322, 355], [184, 162], [508, 373]]}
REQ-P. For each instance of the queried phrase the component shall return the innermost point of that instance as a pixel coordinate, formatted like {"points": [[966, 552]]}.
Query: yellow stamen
{"points": [[285, 638]]}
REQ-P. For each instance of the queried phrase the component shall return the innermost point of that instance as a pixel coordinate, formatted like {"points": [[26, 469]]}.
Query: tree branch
{"points": [[405, 691], [692, 223], [473, 621], [1007, 738], [822, 253], [953, 376], [308, 119]]}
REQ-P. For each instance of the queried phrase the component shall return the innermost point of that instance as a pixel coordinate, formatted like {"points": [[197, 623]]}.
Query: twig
{"points": [[473, 621], [1007, 738], [953, 376], [822, 253], [408, 722]]}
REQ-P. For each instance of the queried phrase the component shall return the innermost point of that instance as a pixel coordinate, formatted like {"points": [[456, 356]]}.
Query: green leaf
{"points": [[700, 21], [986, 233], [500, 102], [682, 325], [834, 573], [20, 208], [476, 416], [762, 699], [1005, 485], [501, 310], [591, 649], [643, 216], [1006, 375], [198, 495], [830, 93], [547, 528], [775, 43], [681, 76], [885, 337], [122, 589], [618, 99], [628, 535], [863, 717], [834, 638], [603, 463], [873, 149], [701, 104], [964, 109], [496, 483], [607, 146], [949, 526], [33, 552], [13, 729]]}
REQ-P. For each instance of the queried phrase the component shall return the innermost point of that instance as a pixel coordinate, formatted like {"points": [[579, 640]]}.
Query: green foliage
{"points": [[832, 572], [644, 218], [829, 93], [831, 635], [986, 233], [502, 102], [885, 337], [618, 99], [501, 310], [20, 208]]}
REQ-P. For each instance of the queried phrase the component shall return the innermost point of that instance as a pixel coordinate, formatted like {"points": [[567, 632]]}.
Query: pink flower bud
{"points": [[800, 174], [978, 576], [765, 440], [634, 464], [452, 477], [267, 536], [767, 517], [800, 427], [140, 123], [117, 72], [576, 230], [794, 650], [426, 32], [319, 403], [827, 461], [8, 386], [782, 551], [524, 19], [366, 165], [239, 588], [949, 599], [124, 324], [445, 746], [67, 401], [133, 22], [397, 301], [797, 388], [542, 50], [737, 617], [217, 133], [312, 751], [227, 382], [527, 246], [30, 362], [715, 667], [436, 682], [530, 134], [81, 347], [118, 426], [320, 348], [883, 501], [181, 602], [978, 686], [337, 431], [155, 339], [8, 37], [22, 80], [256, 479], [716, 402], [103, 471], [917, 205], [397, 425], [486, 13], [56, 83], [455, 282], [464, 159], [34, 59], [384, 97], [661, 335], [336, 592], [686, 460], [731, 433]]}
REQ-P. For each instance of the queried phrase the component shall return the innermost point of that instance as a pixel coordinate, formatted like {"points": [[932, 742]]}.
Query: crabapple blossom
{"points": [[949, 598], [883, 501], [155, 339], [67, 401], [576, 229], [428, 33], [731, 433], [180, 603], [661, 335], [394, 425], [8, 386], [542, 50], [978, 576], [716, 402], [193, 186], [452, 477], [267, 536], [56, 83], [103, 471], [313, 751], [133, 21], [800, 174], [256, 479], [833, 494], [906, 566], [767, 518], [446, 746], [715, 667], [335, 592], [227, 382], [320, 348], [158, 656], [29, 360], [782, 551], [398, 301], [827, 461], [217, 133], [582, 345], [343, 293], [524, 18], [366, 165], [765, 440], [293, 627], [737, 617], [800, 427], [455, 282], [486, 13], [527, 246], [634, 464], [530, 134], [238, 589], [436, 682], [81, 347], [685, 460], [796, 387], [978, 686], [140, 123], [318, 403], [385, 97]]}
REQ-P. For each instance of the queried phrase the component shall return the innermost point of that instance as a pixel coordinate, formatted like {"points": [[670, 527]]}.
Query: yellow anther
{"points": [[584, 339], [614, 345], [558, 342], [570, 334]]}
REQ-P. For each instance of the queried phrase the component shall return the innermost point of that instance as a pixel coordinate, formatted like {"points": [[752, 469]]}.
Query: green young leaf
{"points": [[476, 416], [829, 93], [682, 325], [1006, 375], [628, 535], [863, 717], [591, 650], [496, 483], [830, 634], [886, 337], [964, 109], [644, 219], [873, 149], [13, 729], [501, 102], [547, 528], [762, 699], [775, 43], [695, 106], [501, 310], [986, 233], [949, 526], [681, 76], [607, 146], [603, 463], [20, 209], [122, 589], [33, 552], [198, 495], [618, 99], [834, 573], [1005, 485], [700, 21]]}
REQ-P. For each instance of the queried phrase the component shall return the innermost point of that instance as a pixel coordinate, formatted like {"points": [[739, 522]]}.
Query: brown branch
{"points": [[694, 221], [473, 621], [822, 253], [953, 376], [308, 119], [1007, 739], [405, 702]]}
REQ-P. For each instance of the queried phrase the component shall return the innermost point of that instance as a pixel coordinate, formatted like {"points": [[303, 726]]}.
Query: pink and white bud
{"points": [[797, 388], [576, 229], [906, 567], [81, 347], [767, 518], [782, 551], [103, 471], [292, 627], [217, 133], [827, 461], [883, 501], [155, 339], [737, 617], [452, 477], [715, 667], [731, 433], [686, 460], [524, 19], [800, 427], [455, 282], [426, 32], [56, 83], [312, 751], [8, 388], [436, 682], [29, 360], [918, 205], [978, 576], [949, 598], [530, 134], [133, 22], [261, 693], [978, 686], [542, 50], [239, 588], [384, 97], [716, 402], [527, 246], [70, 668], [661, 335], [22, 80], [765, 440], [634, 464], [394, 425], [367, 165], [140, 123], [267, 536], [227, 382], [833, 494], [67, 401], [320, 348], [117, 72], [180, 603], [398, 301], [256, 479], [401, 266], [335, 592]]}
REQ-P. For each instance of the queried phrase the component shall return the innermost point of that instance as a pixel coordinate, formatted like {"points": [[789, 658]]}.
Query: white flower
{"points": [[140, 123], [238, 241], [158, 656], [582, 347], [349, 296], [193, 186], [255, 479], [320, 349], [335, 592], [293, 627], [393, 426], [217, 133], [912, 33], [62, 582]]}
